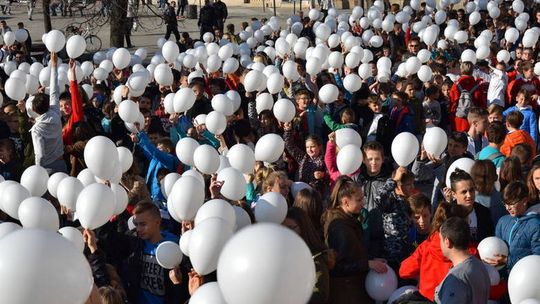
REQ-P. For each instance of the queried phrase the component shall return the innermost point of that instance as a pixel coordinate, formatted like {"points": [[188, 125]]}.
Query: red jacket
{"points": [[512, 139], [77, 112], [532, 86], [479, 99], [429, 265]]}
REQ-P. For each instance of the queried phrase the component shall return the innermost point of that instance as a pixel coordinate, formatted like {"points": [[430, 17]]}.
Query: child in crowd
{"points": [[160, 156], [520, 229], [516, 136], [378, 127], [478, 122], [495, 113], [495, 134], [401, 114], [432, 108], [530, 123], [391, 201], [421, 216]]}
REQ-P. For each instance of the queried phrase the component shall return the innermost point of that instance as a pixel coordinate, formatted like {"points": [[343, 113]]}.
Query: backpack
{"points": [[465, 101]]}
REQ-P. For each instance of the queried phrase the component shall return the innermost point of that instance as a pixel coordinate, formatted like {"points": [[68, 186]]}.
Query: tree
{"points": [[47, 16], [118, 22]]}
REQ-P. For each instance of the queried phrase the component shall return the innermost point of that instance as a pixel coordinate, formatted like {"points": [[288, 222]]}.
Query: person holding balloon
{"points": [[343, 233], [391, 202], [146, 281], [520, 229], [47, 129]]}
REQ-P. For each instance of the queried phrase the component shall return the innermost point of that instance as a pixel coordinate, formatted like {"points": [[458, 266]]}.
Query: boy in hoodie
{"points": [[530, 123], [160, 156], [520, 229], [516, 136], [47, 129], [391, 202]]}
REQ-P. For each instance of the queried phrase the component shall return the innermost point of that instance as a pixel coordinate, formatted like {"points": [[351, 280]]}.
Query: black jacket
{"points": [[485, 224]]}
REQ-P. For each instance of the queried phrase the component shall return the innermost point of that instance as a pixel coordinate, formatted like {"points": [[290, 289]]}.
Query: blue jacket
{"points": [[521, 234], [158, 159], [530, 124]]}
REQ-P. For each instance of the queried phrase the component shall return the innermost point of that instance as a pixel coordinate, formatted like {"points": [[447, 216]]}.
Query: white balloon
{"points": [[275, 83], [207, 293], [352, 83], [74, 236], [206, 242], [352, 60], [222, 104], [36, 212], [55, 41], [404, 148], [43, 253], [482, 52], [401, 291], [184, 242], [216, 122], [185, 148], [253, 80], [7, 228], [206, 159], [424, 73], [468, 55], [289, 70], [186, 197], [54, 181], [234, 187], [216, 208], [163, 75], [101, 157], [463, 163], [75, 46], [125, 157], [264, 101], [348, 136], [474, 18], [242, 218], [491, 246], [170, 51], [12, 196], [95, 205], [349, 159], [128, 111], [86, 177], [328, 93], [269, 148], [461, 37], [503, 56], [35, 179], [121, 58], [242, 158], [518, 6], [184, 99], [168, 254], [424, 55], [413, 65], [435, 141], [523, 279], [380, 286], [121, 198], [284, 110], [511, 35], [254, 254], [13, 90], [271, 207]]}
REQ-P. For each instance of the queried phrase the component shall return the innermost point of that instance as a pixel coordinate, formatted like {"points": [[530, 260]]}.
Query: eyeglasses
{"points": [[414, 45]]}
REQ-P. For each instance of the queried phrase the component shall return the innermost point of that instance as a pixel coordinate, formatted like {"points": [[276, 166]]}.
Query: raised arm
{"points": [[54, 89]]}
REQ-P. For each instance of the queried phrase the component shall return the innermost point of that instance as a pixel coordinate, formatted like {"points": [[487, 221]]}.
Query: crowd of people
{"points": [[422, 220]]}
